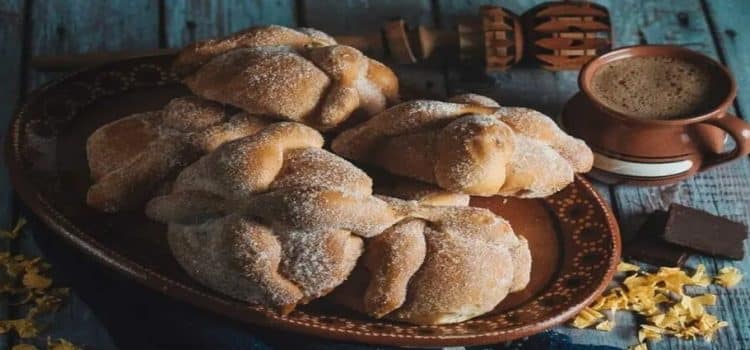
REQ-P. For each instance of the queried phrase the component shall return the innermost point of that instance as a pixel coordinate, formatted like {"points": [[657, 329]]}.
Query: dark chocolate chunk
{"points": [[648, 245], [705, 232]]}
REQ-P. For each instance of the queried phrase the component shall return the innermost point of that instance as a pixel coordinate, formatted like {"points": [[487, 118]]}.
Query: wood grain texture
{"points": [[720, 190], [78, 26], [451, 10], [729, 21], [82, 26], [74, 321], [362, 16], [11, 35], [723, 191], [186, 21]]}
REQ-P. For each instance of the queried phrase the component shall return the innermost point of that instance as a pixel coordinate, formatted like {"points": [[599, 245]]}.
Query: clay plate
{"points": [[574, 238]]}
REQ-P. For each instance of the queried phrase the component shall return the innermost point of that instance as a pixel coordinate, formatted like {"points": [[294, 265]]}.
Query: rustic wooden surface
{"points": [[11, 32], [717, 28]]}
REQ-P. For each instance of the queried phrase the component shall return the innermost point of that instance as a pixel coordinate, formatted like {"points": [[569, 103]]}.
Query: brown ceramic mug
{"points": [[642, 151]]}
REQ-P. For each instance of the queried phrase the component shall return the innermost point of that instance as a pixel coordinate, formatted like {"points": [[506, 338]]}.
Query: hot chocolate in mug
{"points": [[639, 127]]}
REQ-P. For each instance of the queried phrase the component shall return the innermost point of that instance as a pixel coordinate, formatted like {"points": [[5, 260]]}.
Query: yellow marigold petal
{"points": [[700, 278], [605, 326], [658, 319], [33, 280], [627, 267], [662, 299], [61, 344], [586, 318], [23, 347], [728, 276], [25, 328]]}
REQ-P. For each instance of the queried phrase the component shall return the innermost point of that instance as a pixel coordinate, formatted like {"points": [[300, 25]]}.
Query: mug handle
{"points": [[739, 130]]}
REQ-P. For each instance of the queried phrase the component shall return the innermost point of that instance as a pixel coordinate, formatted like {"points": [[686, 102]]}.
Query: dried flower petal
{"points": [[25, 328], [729, 276], [24, 347], [661, 298], [24, 279], [605, 326], [61, 344], [35, 281], [626, 267], [586, 318], [648, 332]]}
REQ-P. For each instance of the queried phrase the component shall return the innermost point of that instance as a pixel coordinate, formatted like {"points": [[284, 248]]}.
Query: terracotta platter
{"points": [[573, 236]]}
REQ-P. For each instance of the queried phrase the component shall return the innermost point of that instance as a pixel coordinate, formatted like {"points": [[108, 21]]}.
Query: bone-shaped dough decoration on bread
{"points": [[131, 157], [271, 218], [293, 74], [442, 264], [470, 145], [274, 219]]}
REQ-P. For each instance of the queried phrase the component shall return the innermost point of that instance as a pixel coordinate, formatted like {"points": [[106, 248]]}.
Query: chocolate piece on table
{"points": [[704, 232], [649, 247]]}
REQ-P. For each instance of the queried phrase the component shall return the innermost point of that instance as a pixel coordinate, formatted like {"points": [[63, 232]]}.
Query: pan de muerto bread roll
{"points": [[130, 157], [470, 145], [294, 74], [443, 264], [272, 218]]}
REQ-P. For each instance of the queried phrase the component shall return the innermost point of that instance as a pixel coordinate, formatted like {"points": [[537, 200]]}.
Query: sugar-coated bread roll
{"points": [[273, 219], [131, 157], [300, 75], [469, 145], [443, 264]]}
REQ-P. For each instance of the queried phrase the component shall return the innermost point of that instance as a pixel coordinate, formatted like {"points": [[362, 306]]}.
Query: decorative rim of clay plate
{"points": [[588, 231]]}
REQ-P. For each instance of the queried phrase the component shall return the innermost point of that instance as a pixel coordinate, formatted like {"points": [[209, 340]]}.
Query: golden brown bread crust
{"points": [[392, 258], [445, 264], [469, 145], [473, 151], [271, 218], [274, 219], [298, 75], [130, 157], [199, 53], [461, 277]]}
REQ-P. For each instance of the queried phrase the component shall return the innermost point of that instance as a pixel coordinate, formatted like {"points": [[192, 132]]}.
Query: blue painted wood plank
{"points": [[723, 191], [78, 26], [362, 16], [11, 28], [730, 24], [11, 34], [186, 21], [720, 191], [82, 26], [451, 10]]}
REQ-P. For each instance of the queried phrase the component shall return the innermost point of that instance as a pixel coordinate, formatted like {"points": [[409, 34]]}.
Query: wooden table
{"points": [[720, 29]]}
